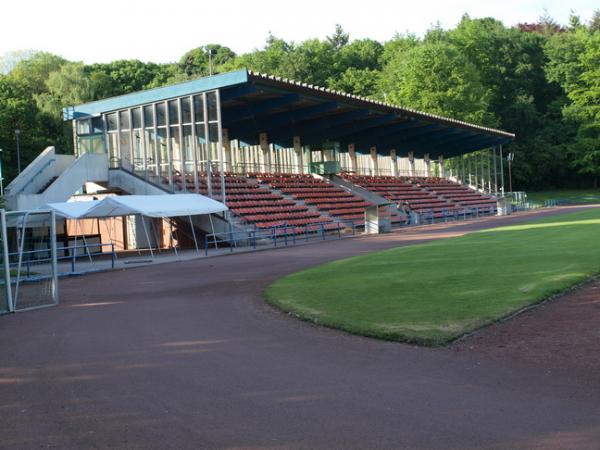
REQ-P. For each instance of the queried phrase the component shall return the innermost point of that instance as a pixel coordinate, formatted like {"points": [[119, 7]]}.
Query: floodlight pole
{"points": [[17, 137], [210, 55]]}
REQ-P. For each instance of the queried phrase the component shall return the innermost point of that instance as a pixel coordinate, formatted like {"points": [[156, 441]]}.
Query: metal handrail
{"points": [[290, 233], [35, 175], [72, 256]]}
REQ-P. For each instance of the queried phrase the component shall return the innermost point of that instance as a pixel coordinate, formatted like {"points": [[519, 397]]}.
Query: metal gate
{"points": [[28, 260]]}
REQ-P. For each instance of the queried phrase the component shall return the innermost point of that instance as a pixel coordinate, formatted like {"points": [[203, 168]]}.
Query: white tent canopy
{"points": [[175, 205], [71, 210]]}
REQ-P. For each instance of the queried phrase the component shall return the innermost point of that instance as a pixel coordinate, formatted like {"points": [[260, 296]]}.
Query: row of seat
{"points": [[244, 211], [258, 204], [320, 194], [436, 195]]}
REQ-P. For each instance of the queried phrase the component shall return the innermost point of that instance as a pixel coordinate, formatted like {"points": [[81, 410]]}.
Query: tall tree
{"points": [[196, 61], [574, 63], [436, 78]]}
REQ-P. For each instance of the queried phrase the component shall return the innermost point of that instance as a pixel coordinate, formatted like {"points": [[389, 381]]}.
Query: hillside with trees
{"points": [[540, 81]]}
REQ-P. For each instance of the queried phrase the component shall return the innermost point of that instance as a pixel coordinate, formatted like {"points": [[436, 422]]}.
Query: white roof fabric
{"points": [[71, 210], [146, 205]]}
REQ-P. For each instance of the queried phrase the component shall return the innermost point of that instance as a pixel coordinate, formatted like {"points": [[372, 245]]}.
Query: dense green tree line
{"points": [[540, 81]]}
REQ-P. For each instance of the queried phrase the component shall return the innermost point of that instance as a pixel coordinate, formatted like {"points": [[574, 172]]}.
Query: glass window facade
{"points": [[167, 142]]}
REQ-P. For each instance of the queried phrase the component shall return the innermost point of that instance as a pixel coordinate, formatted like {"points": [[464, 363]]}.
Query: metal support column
{"points": [[489, 170], [394, 161], [502, 169], [221, 149], [266, 152], [495, 171], [207, 139], [298, 153]]}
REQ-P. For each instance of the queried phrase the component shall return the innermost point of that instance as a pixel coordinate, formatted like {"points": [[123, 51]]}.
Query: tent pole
{"points": [[85, 245], [155, 233], [147, 237], [194, 235], [172, 237], [137, 246], [108, 231], [74, 256], [212, 228]]}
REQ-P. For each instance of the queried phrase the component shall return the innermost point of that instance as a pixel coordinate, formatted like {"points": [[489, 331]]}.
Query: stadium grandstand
{"points": [[278, 153]]}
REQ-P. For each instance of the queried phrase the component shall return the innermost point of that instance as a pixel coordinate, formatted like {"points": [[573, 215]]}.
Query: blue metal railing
{"points": [[284, 235], [429, 216], [29, 261]]}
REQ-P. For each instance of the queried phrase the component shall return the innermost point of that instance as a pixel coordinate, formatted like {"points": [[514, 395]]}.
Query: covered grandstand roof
{"points": [[252, 103]]}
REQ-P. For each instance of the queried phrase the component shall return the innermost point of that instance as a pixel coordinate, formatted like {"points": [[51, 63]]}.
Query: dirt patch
{"points": [[561, 334]]}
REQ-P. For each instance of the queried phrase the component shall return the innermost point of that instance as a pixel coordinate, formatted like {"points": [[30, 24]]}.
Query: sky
{"points": [[163, 30]]}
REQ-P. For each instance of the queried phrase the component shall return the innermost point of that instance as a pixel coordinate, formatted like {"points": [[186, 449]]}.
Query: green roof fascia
{"points": [[157, 94]]}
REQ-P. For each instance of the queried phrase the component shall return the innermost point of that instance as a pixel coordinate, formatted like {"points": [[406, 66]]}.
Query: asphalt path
{"points": [[188, 355]]}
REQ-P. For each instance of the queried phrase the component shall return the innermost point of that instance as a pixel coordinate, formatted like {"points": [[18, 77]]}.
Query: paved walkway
{"points": [[187, 355]]}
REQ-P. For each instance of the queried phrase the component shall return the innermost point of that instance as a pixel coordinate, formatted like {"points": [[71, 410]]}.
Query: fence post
{"points": [[73, 250], [54, 257], [112, 255], [323, 231], [8, 289], [206, 245]]}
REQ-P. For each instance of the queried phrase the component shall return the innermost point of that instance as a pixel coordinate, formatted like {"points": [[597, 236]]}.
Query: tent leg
{"points": [[172, 237], [212, 228], [194, 235], [109, 233], [155, 234], [74, 255], [147, 237], [85, 246]]}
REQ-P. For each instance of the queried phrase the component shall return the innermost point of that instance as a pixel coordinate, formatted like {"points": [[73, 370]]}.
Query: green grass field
{"points": [[572, 196], [433, 293]]}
